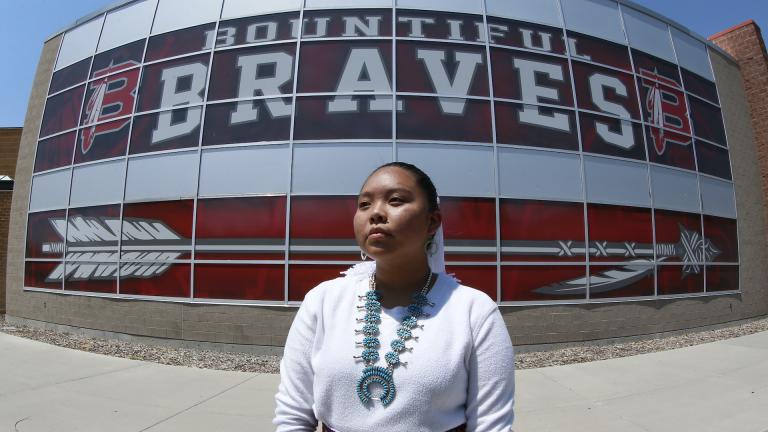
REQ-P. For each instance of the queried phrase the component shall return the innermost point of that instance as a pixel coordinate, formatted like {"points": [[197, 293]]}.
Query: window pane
{"points": [[245, 170], [597, 50], [180, 42], [669, 148], [110, 97], [620, 233], [523, 34], [313, 164], [127, 24], [457, 171], [248, 121], [173, 83], [99, 183], [348, 23], [79, 42], [343, 117], [258, 29], [438, 25], [543, 11], [707, 121], [469, 228], [631, 280], [444, 119], [536, 126], [531, 283], [581, 16], [648, 34], [101, 141], [302, 278], [611, 181], [91, 277], [481, 278], [176, 14], [345, 66], [117, 59], [541, 231], [45, 234], [718, 197], [454, 70], [237, 8], [675, 279], [61, 111], [611, 136], [470, 6], [157, 231], [92, 234], [240, 282], [321, 228], [70, 75], [43, 274], [722, 278], [722, 233], [169, 176], [674, 189], [692, 54], [655, 68], [159, 279], [539, 174], [167, 130], [251, 228], [530, 77], [605, 90], [55, 152], [50, 190], [699, 86], [713, 160], [676, 237], [255, 71]]}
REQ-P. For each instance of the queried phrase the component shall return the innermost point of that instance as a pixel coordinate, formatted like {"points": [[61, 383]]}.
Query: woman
{"points": [[449, 362]]}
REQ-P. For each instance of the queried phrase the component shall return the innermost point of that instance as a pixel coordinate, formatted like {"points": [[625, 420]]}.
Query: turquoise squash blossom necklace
{"points": [[383, 375]]}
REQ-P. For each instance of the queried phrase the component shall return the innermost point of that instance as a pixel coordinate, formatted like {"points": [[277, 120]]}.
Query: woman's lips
{"points": [[375, 234]]}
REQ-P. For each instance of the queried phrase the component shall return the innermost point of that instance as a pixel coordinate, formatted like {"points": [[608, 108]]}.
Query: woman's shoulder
{"points": [[476, 304]]}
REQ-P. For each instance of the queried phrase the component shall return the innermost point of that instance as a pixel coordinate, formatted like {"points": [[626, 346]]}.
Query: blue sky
{"points": [[27, 23]]}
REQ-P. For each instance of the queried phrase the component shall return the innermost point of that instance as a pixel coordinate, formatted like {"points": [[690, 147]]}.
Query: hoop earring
{"points": [[430, 247], [363, 255]]}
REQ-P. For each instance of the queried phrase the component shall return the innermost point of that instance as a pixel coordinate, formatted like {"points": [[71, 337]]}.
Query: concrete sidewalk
{"points": [[721, 386]]}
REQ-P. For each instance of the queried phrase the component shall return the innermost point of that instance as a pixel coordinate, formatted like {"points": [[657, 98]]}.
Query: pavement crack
{"points": [[16, 425], [197, 404]]}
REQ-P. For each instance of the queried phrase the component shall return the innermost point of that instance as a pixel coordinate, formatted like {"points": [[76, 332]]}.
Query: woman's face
{"points": [[393, 217]]}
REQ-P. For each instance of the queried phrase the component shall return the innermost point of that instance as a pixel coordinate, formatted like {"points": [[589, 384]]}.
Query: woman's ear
{"points": [[435, 220]]}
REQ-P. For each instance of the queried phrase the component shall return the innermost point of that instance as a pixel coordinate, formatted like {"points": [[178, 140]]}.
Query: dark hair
{"points": [[422, 179]]}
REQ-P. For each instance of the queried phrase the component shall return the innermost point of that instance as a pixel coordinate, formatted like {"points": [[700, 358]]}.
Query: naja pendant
{"points": [[376, 375]]}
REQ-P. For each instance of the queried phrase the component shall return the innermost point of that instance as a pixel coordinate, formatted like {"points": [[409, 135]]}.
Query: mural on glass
{"points": [[220, 159]]}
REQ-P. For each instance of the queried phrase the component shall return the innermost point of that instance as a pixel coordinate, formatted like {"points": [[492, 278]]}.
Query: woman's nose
{"points": [[378, 214]]}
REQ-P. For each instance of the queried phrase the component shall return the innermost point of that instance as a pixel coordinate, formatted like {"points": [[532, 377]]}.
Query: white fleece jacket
{"points": [[461, 369]]}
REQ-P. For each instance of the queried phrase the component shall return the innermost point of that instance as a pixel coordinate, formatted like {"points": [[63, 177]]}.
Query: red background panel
{"points": [[541, 221], [619, 224], [722, 233], [699, 86], [239, 282], [253, 219], [91, 284], [423, 119], [178, 42], [62, 111], [670, 280], [668, 71], [707, 121], [468, 219], [40, 231], [55, 152], [174, 282], [313, 121], [638, 288], [323, 217], [482, 278], [322, 63], [220, 130], [673, 154], [519, 282], [302, 278], [36, 273], [131, 52], [722, 278], [668, 227], [413, 76], [510, 130], [70, 75], [713, 160]]}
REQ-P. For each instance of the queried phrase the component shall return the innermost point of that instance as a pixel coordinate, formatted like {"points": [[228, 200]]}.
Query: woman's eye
{"points": [[396, 200], [363, 204]]}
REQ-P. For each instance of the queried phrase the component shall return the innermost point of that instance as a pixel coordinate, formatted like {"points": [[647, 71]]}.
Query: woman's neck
{"points": [[398, 281]]}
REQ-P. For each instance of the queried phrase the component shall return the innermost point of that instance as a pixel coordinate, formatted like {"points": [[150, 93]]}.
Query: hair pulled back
{"points": [[422, 179]]}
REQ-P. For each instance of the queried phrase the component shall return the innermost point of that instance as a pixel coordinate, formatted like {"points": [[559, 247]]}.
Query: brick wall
{"points": [[9, 151], [745, 43]]}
